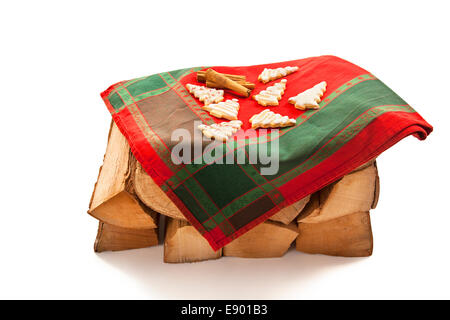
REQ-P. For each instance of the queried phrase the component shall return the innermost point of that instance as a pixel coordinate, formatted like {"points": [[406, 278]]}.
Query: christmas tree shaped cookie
{"points": [[220, 131], [271, 95], [309, 99], [227, 110], [270, 119], [273, 74], [204, 94]]}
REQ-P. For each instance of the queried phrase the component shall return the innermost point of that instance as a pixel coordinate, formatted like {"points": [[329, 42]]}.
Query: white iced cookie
{"points": [[221, 131], [270, 119], [271, 95], [309, 99], [227, 110], [273, 74], [204, 94]]}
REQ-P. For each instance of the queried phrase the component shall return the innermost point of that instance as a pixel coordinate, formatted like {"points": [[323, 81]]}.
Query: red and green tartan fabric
{"points": [[359, 118]]}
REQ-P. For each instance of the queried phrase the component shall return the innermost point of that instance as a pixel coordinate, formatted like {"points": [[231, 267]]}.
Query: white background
{"points": [[55, 59]]}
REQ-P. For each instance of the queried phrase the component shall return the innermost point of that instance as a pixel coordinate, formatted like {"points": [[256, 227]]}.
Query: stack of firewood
{"points": [[130, 208]]}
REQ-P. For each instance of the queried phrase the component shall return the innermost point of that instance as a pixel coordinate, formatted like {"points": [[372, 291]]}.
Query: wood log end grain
{"points": [[183, 243], [267, 240], [289, 213], [347, 236], [113, 200], [113, 238]]}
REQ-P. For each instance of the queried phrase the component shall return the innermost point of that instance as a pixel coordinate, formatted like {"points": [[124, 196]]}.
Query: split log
{"points": [[377, 189], [288, 214], [152, 195], [347, 236], [365, 165], [267, 240], [311, 209], [113, 200], [355, 192], [183, 243], [113, 238]]}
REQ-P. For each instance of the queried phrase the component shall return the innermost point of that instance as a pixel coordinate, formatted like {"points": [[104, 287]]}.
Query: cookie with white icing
{"points": [[273, 74], [220, 131], [309, 99], [271, 95], [227, 110], [270, 119], [204, 94]]}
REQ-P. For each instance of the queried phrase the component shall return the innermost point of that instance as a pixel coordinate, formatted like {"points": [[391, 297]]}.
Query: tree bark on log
{"points": [[347, 236], [377, 189], [183, 243], [113, 238], [267, 240], [289, 213], [114, 200], [152, 195], [355, 192]]}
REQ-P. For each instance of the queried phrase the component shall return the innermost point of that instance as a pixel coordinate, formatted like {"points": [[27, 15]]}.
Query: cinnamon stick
{"points": [[246, 84], [226, 83], [201, 76]]}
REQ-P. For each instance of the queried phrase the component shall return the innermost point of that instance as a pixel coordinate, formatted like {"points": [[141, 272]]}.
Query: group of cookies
{"points": [[308, 99], [214, 104]]}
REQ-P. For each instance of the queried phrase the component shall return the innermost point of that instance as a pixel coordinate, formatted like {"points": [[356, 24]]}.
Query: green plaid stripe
{"points": [[345, 87], [242, 202], [192, 203], [124, 95], [249, 185], [196, 188], [127, 83], [337, 115], [116, 101], [128, 92], [168, 79], [335, 144], [180, 73], [152, 93]]}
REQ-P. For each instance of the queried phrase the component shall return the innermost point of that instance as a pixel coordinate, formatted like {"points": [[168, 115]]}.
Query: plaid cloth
{"points": [[359, 117]]}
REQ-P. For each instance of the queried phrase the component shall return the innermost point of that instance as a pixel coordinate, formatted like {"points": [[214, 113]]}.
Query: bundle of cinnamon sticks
{"points": [[235, 83]]}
